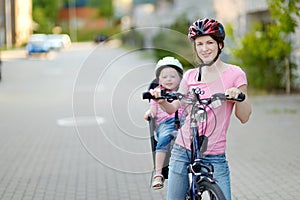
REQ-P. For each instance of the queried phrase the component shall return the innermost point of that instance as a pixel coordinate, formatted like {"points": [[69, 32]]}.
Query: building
{"points": [[15, 22]]}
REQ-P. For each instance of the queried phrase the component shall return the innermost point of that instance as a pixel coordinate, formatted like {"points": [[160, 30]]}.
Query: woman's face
{"points": [[206, 48]]}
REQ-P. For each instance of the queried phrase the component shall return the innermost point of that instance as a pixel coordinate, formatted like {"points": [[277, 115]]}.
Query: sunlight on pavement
{"points": [[80, 121]]}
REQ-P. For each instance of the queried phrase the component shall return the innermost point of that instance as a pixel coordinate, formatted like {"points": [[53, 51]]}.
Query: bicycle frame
{"points": [[197, 170]]}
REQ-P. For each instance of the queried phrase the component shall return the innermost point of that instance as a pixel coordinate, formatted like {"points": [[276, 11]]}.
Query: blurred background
{"points": [[73, 71], [262, 35]]}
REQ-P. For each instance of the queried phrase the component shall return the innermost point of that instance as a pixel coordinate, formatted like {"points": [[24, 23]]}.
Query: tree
{"points": [[173, 41], [44, 12], [265, 51], [106, 8]]}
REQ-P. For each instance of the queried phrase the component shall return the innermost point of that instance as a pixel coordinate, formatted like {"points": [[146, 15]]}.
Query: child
{"points": [[168, 73]]}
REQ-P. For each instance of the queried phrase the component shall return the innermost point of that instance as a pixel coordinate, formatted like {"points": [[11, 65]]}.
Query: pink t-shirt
{"points": [[162, 115], [234, 76]]}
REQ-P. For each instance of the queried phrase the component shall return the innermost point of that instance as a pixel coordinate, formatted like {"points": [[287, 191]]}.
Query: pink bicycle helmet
{"points": [[207, 26]]}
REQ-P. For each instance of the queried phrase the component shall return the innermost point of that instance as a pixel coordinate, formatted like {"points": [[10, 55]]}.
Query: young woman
{"points": [[212, 76]]}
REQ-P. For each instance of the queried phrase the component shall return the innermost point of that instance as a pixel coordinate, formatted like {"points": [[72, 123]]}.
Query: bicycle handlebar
{"points": [[171, 96], [241, 97]]}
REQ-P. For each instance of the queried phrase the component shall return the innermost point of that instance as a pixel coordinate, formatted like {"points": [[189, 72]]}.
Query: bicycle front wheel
{"points": [[206, 190], [210, 191]]}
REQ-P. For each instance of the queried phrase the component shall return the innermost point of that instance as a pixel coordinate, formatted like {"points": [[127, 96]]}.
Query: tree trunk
{"points": [[288, 77]]}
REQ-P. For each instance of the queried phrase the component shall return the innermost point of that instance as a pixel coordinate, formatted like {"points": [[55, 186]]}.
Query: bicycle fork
{"points": [[194, 168], [196, 174]]}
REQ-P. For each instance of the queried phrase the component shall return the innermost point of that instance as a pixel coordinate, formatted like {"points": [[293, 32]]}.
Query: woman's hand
{"points": [[233, 92], [242, 109]]}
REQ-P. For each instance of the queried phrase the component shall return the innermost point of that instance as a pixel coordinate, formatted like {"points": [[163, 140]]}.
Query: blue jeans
{"points": [[178, 183], [165, 132]]}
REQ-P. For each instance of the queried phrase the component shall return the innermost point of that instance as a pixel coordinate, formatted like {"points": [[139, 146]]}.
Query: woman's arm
{"points": [[242, 109]]}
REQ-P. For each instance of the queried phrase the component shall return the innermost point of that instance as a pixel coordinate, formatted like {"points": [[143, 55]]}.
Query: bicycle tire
{"points": [[208, 191]]}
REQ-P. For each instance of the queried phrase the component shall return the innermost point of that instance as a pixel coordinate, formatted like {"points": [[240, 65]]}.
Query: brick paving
{"points": [[264, 154]]}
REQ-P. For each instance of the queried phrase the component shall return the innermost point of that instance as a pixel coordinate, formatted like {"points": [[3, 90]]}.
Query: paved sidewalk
{"points": [[264, 158], [264, 154]]}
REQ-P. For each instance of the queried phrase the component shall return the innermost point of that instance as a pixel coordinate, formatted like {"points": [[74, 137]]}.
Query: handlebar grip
{"points": [[240, 98], [147, 95], [164, 95]]}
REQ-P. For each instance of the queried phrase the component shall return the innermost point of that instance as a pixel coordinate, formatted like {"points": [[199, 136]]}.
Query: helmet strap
{"points": [[208, 64], [200, 72]]}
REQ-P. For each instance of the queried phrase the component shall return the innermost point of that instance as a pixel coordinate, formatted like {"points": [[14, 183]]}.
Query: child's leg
{"points": [[164, 137], [160, 158], [158, 180]]}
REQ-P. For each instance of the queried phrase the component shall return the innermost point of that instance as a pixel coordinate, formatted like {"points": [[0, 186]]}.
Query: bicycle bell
{"points": [[201, 115], [217, 99], [216, 103]]}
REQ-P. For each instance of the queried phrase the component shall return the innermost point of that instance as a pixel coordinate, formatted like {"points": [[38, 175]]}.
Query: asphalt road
{"points": [[71, 127]]}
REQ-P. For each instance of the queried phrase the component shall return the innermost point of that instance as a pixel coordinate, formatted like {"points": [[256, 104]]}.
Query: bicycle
{"points": [[202, 184]]}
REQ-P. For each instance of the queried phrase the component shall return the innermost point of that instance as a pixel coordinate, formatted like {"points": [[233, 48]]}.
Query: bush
{"points": [[263, 53], [173, 41], [133, 38], [167, 43], [88, 35]]}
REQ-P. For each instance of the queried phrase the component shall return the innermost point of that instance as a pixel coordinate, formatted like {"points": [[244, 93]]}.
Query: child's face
{"points": [[169, 78]]}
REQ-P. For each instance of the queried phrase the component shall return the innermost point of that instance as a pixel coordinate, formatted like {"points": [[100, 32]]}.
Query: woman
{"points": [[212, 76]]}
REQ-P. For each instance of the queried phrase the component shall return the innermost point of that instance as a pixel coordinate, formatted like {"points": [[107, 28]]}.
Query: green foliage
{"points": [[45, 14], [106, 8], [181, 24], [173, 41], [264, 50], [262, 55], [88, 35], [132, 38], [284, 12]]}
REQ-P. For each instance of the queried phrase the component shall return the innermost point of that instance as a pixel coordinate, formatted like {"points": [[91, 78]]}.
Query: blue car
{"points": [[37, 44]]}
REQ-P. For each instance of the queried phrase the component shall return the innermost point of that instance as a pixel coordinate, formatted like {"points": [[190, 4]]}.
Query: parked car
{"points": [[55, 42], [37, 43], [58, 41], [66, 40], [100, 38]]}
